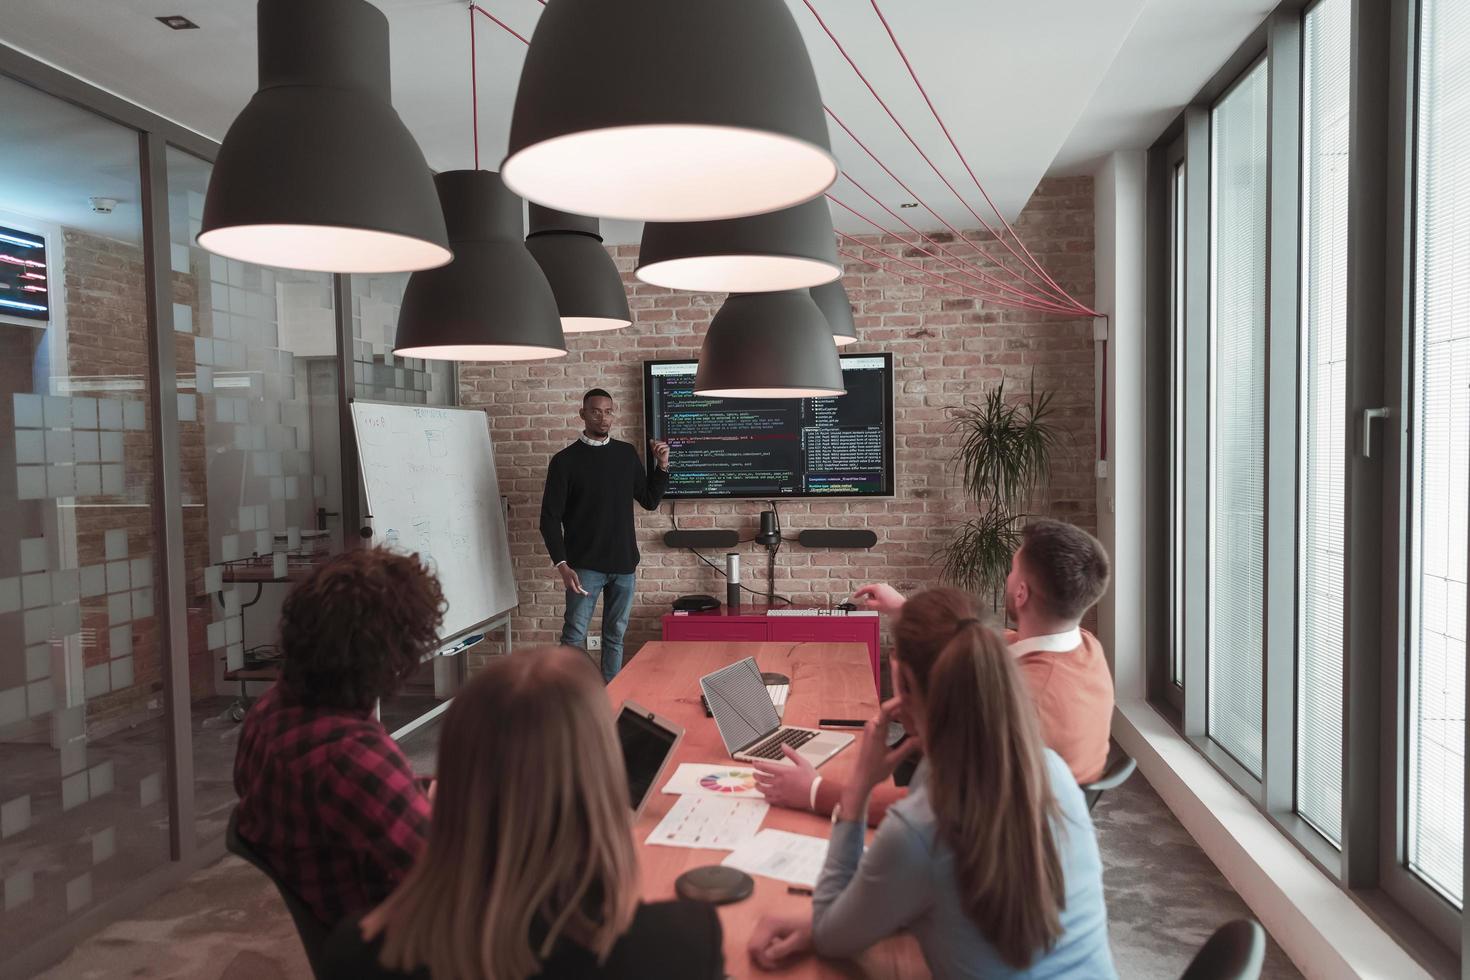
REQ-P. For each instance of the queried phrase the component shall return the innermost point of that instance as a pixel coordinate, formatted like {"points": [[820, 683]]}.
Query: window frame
{"points": [[1370, 864]]}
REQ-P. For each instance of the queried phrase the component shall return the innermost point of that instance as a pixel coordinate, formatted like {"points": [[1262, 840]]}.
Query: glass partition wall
{"points": [[171, 461], [83, 743]]}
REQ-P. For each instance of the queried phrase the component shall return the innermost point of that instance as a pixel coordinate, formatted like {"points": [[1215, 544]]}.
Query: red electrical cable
{"points": [[925, 204], [1027, 302], [917, 282], [954, 146], [474, 89], [974, 292], [913, 142], [977, 271], [503, 25]]}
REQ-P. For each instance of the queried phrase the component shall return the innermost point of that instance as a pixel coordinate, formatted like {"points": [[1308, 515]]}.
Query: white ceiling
{"points": [[1027, 88]]}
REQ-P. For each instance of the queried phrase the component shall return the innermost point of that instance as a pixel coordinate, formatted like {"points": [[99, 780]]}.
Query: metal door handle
{"points": [[1369, 415]]}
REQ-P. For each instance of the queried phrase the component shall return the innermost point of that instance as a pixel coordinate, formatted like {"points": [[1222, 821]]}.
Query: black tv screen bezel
{"points": [[888, 438]]}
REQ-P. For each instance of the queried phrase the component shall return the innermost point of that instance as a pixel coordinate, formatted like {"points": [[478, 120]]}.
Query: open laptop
{"points": [[648, 743], [748, 722]]}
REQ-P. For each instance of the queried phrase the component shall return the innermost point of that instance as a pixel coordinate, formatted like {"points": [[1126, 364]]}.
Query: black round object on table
{"points": [[714, 884]]}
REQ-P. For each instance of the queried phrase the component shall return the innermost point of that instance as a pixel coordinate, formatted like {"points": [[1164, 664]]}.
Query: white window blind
{"points": [[1176, 423], [1325, 94], [1440, 449], [1237, 416]]}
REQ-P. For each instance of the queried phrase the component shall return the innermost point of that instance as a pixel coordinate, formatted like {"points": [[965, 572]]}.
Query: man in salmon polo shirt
{"points": [[1059, 572]]}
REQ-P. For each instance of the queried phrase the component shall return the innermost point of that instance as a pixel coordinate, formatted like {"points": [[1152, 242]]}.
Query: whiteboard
{"points": [[431, 488]]}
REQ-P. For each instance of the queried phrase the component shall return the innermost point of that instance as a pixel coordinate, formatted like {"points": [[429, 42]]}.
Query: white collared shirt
{"points": [[1049, 643], [582, 436]]}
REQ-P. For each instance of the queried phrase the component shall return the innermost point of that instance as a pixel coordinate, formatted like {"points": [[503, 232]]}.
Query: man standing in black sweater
{"points": [[587, 524]]}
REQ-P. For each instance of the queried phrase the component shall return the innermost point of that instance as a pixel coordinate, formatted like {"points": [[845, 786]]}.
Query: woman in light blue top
{"points": [[991, 861]]}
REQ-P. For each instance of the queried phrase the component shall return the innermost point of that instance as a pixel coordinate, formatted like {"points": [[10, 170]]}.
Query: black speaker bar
{"points": [[701, 539], [837, 539]]}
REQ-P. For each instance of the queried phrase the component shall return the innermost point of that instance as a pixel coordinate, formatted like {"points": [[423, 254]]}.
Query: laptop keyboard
{"points": [[771, 747]]}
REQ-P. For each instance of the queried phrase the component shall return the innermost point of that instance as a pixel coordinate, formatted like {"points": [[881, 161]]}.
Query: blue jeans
{"points": [[617, 603]]}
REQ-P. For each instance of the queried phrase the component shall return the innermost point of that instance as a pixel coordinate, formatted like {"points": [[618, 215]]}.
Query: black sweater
{"points": [[667, 941], [586, 509]]}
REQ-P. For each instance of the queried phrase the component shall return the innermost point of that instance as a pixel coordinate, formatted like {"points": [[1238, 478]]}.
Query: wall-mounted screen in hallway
{"points": [[24, 296]]}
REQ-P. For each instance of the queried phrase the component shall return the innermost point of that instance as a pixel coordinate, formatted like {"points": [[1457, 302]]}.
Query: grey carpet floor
{"points": [[226, 922]]}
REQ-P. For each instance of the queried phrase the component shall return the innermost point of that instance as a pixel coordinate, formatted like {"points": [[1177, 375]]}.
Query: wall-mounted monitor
{"points": [[840, 446], [24, 278]]}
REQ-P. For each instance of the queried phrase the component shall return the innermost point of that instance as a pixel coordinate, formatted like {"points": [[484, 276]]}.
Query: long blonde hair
{"points": [[988, 782], [531, 840]]}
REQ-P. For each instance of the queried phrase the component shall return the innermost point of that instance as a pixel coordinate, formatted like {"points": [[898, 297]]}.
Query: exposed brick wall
{"points": [[947, 349]]}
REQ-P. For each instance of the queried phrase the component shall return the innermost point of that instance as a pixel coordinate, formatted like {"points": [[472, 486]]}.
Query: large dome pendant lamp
{"points": [[588, 287], [769, 345], [492, 303], [318, 172], [831, 299], [788, 249], [712, 111]]}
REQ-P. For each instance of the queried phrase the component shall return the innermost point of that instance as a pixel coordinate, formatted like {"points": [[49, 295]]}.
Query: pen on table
{"points": [[840, 723], [798, 890]]}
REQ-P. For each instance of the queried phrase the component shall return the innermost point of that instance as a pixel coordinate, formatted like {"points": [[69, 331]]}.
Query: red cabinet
{"points": [[752, 625]]}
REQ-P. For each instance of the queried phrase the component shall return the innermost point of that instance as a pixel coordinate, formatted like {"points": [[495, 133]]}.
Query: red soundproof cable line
{"points": [[503, 25], [960, 264], [915, 144], [1046, 305], [955, 146]]}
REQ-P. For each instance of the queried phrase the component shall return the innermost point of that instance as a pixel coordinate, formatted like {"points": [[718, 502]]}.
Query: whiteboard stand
{"points": [[451, 670]]}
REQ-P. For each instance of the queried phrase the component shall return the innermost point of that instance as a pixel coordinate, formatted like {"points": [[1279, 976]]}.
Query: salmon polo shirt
{"points": [[1072, 687]]}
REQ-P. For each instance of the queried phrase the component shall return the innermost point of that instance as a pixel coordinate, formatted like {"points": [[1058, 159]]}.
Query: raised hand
{"points": [[660, 451]]}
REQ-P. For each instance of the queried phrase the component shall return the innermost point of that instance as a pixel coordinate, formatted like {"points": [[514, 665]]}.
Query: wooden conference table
{"points": [[828, 680]]}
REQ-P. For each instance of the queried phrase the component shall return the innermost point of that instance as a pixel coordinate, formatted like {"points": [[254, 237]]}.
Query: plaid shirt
{"points": [[329, 800]]}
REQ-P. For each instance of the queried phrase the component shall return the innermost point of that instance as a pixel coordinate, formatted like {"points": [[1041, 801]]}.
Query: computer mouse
{"points": [[847, 606]]}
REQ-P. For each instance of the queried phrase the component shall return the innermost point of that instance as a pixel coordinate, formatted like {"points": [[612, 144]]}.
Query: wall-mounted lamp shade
{"points": [[318, 172], [588, 287], [492, 303], [831, 299], [788, 249], [769, 345], [713, 111]]}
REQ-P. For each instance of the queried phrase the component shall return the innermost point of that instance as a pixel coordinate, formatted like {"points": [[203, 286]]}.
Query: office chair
{"points": [[1116, 774], [309, 928], [1235, 952]]}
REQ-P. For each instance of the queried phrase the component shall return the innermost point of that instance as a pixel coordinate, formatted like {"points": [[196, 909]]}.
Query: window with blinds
{"points": [[1326, 40], [1176, 424], [1237, 417], [1440, 449]]}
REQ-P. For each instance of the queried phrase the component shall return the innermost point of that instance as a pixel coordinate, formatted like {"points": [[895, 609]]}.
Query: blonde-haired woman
{"points": [[990, 860], [530, 868]]}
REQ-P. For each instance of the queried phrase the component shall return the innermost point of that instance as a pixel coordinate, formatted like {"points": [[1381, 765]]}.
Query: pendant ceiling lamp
{"points": [[492, 303], [712, 111], [831, 299], [788, 249], [588, 287], [318, 172], [769, 345]]}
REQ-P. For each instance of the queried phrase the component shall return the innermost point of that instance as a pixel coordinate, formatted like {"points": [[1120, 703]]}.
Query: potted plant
{"points": [[1005, 458]]}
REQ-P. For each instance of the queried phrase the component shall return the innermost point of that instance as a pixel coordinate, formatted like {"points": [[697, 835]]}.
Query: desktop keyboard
{"points": [[771, 747], [821, 612]]}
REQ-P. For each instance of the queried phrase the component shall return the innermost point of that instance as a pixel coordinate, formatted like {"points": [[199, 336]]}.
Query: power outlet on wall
{"points": [[594, 642]]}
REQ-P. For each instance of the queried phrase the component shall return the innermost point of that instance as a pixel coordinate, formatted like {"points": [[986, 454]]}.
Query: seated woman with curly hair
{"points": [[326, 796]]}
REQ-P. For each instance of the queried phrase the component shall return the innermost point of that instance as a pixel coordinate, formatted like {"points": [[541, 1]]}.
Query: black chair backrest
{"points": [[1235, 952], [311, 930], [1120, 767]]}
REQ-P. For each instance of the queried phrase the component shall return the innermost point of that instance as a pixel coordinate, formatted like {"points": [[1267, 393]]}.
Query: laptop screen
{"points": [[741, 704], [646, 746]]}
